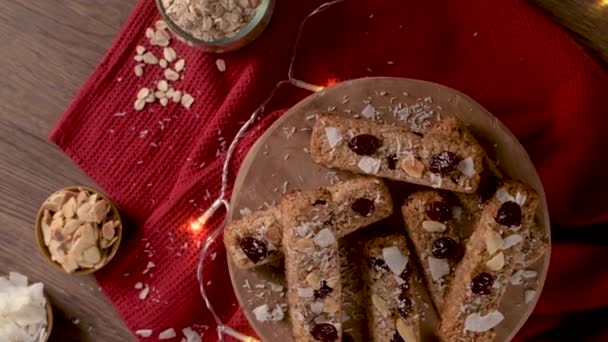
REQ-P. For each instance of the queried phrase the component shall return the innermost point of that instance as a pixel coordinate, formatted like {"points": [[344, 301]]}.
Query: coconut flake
{"points": [[395, 261], [316, 307], [478, 323], [369, 165], [167, 334], [511, 241], [144, 332], [245, 212], [22, 309], [324, 238], [302, 230], [191, 335], [529, 295], [333, 136], [144, 293], [503, 196], [529, 274], [306, 292], [517, 278], [457, 213], [439, 268], [467, 167], [520, 198], [369, 112], [261, 313]]}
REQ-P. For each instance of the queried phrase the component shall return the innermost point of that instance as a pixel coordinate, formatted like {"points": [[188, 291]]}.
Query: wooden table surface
{"points": [[51, 48]]}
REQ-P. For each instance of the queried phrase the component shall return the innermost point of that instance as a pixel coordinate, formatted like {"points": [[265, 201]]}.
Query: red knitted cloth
{"points": [[505, 54]]}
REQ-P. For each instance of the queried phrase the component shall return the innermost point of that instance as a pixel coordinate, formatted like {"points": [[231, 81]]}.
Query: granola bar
{"points": [[257, 239], [447, 157], [392, 308], [470, 311]]}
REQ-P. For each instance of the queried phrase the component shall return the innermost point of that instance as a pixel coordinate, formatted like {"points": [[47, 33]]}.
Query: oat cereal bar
{"points": [[312, 267], [392, 308], [447, 157], [430, 224], [257, 239], [470, 310]]}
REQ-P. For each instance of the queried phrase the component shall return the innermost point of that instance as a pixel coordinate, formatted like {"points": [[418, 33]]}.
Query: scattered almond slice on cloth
{"points": [[78, 229], [169, 62]]}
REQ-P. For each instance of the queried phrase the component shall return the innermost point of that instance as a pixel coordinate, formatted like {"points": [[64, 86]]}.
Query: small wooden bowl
{"points": [[113, 249], [49, 320]]}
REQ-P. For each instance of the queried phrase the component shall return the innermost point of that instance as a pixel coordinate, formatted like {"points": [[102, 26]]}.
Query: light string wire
{"points": [[222, 201]]}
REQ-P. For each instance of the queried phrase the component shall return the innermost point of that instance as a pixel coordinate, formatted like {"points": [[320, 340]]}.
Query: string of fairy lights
{"points": [[221, 200]]}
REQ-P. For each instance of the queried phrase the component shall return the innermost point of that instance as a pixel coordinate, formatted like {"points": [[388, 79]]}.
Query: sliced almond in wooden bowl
{"points": [[78, 229]]}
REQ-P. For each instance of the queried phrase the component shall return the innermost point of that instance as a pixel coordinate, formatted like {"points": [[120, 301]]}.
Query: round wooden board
{"points": [[279, 162]]}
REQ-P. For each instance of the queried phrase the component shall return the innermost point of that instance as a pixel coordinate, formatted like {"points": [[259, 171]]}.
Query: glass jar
{"points": [[244, 36]]}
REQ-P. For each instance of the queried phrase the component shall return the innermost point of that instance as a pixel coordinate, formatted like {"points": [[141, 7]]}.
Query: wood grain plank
{"points": [[50, 49]]}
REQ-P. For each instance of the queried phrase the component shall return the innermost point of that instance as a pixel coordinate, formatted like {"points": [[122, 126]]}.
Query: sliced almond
{"points": [[46, 233], [169, 54], [497, 262], [91, 255], [83, 212], [104, 244], [100, 210], [149, 58], [69, 264], [82, 197], [107, 230], [304, 245], [313, 280], [71, 225], [180, 65], [164, 102], [380, 305], [162, 85], [405, 331], [171, 75], [140, 49], [187, 100], [433, 226], [177, 96], [54, 202], [412, 167], [142, 93], [160, 94], [69, 208], [493, 241], [138, 70], [331, 305], [332, 281], [139, 104]]}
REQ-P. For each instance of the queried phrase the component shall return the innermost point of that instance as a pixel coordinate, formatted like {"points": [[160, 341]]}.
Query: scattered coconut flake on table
{"points": [[167, 334], [144, 332], [23, 310]]}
